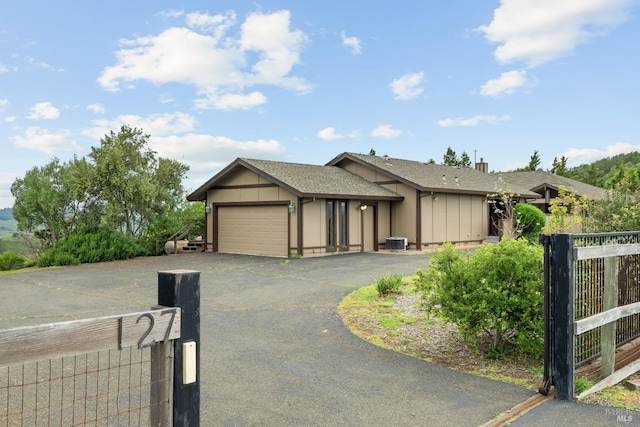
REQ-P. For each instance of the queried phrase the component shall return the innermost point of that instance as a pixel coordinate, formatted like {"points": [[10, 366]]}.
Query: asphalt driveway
{"points": [[274, 351]]}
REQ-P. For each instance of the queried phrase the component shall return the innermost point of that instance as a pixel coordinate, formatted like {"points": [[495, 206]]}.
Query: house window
{"points": [[337, 225], [331, 225], [344, 224]]}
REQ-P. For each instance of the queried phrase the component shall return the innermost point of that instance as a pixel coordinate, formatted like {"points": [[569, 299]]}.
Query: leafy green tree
{"points": [[617, 176], [464, 161], [372, 152], [122, 187], [134, 185], [620, 210], [55, 200], [567, 212], [559, 167], [534, 163], [43, 203], [593, 175], [164, 226], [450, 158]]}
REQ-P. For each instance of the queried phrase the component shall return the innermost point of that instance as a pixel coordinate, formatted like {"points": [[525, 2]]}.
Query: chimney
{"points": [[482, 166]]}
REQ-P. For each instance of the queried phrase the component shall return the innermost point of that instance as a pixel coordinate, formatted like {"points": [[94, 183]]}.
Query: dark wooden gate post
{"points": [[181, 288], [562, 294]]}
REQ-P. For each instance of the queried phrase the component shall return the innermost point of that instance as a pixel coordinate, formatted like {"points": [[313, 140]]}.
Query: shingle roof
{"points": [[306, 180], [535, 180], [429, 176]]}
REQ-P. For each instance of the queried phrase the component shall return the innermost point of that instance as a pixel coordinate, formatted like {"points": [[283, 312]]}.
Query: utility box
{"points": [[397, 243]]}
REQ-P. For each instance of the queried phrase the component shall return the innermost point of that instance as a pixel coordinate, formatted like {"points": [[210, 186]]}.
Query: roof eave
{"points": [[353, 197], [201, 193]]}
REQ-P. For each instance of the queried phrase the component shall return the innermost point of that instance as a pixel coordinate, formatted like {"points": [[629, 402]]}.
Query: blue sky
{"points": [[304, 81]]}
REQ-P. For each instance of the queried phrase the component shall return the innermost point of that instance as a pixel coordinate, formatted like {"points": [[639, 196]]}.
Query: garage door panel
{"points": [[255, 230]]}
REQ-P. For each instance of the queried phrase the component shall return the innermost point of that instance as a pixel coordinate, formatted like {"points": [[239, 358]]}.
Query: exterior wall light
{"points": [[291, 206], [362, 206], [207, 208]]}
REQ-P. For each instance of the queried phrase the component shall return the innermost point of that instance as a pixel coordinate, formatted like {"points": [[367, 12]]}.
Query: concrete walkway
{"points": [[274, 351]]}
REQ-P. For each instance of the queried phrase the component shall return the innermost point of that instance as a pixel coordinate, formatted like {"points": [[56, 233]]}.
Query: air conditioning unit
{"points": [[398, 243]]}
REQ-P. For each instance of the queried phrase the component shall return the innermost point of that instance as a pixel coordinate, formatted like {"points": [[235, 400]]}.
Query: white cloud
{"points": [[165, 98], [473, 121], [231, 101], [171, 13], [329, 134], [4, 103], [3, 69], [44, 111], [96, 108], [543, 30], [506, 84], [580, 156], [198, 151], [155, 125], [408, 86], [216, 24], [35, 138], [352, 43], [386, 131], [218, 65]]}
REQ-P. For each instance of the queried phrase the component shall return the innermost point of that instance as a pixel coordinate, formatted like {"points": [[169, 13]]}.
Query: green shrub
{"points": [[98, 246], [389, 284], [495, 293], [530, 220], [11, 261]]}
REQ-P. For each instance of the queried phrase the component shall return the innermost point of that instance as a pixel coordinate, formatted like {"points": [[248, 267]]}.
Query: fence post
{"points": [[181, 288], [563, 315], [547, 380], [608, 331]]}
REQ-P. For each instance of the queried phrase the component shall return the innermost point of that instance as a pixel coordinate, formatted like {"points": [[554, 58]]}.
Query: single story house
{"points": [[547, 186], [355, 202]]}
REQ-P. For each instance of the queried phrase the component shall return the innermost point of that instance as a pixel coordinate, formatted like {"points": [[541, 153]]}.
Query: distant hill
{"points": [[600, 171], [6, 214]]}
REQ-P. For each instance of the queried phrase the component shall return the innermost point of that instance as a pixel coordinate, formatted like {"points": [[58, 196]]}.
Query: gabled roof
{"points": [[538, 181], [429, 176], [304, 181]]}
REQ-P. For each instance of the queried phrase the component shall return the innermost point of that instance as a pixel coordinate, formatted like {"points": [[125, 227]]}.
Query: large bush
{"points": [[11, 261], [495, 293], [97, 246], [530, 221]]}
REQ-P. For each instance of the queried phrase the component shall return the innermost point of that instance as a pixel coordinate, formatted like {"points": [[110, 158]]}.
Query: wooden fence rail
{"points": [[570, 319], [168, 334]]}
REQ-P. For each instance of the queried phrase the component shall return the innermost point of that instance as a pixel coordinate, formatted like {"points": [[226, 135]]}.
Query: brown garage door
{"points": [[254, 230]]}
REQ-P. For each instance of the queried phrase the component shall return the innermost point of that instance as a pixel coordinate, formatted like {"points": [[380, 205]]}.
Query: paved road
{"points": [[274, 351]]}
